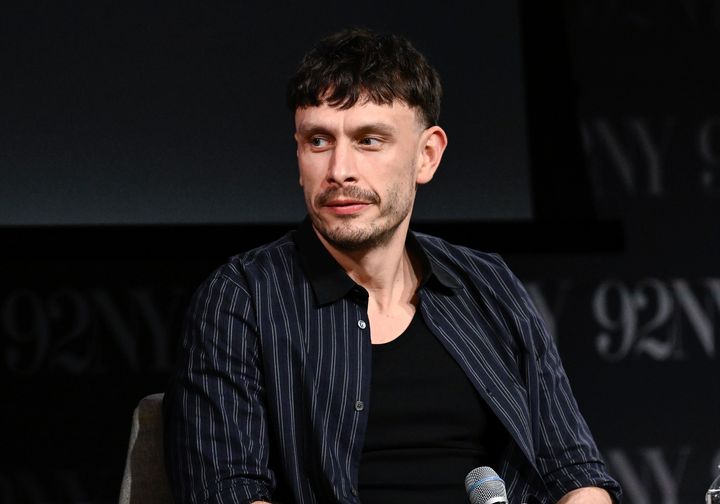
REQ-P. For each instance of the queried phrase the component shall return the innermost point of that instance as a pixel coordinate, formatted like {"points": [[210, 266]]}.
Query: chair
{"points": [[144, 480]]}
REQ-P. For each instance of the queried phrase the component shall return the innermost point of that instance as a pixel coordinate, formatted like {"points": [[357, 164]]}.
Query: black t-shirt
{"points": [[427, 425]]}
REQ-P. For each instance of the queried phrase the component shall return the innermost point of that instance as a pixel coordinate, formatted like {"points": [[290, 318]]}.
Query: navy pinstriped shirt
{"points": [[270, 399]]}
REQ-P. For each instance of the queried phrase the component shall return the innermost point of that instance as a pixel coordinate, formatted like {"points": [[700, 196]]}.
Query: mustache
{"points": [[350, 192]]}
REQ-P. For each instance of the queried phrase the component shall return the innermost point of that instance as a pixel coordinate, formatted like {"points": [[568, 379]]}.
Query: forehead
{"points": [[397, 114]]}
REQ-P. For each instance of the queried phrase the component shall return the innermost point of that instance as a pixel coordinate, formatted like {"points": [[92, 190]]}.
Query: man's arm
{"points": [[216, 434], [566, 454], [586, 495]]}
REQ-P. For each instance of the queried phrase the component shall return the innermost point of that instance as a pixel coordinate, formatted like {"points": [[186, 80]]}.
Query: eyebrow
{"points": [[309, 129]]}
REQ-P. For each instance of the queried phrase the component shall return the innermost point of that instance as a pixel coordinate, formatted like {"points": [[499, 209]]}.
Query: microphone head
{"points": [[484, 486]]}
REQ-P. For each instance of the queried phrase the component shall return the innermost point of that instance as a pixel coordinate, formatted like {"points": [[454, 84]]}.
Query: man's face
{"points": [[359, 169]]}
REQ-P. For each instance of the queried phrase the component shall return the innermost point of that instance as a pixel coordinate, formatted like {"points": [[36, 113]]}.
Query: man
{"points": [[353, 360]]}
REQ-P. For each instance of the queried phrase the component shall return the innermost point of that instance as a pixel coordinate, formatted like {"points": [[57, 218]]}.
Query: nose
{"points": [[342, 167]]}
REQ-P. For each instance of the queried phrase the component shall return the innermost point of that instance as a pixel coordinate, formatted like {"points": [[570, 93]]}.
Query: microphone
{"points": [[484, 486]]}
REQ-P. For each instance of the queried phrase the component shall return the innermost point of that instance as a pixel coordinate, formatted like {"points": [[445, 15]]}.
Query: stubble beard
{"points": [[350, 235]]}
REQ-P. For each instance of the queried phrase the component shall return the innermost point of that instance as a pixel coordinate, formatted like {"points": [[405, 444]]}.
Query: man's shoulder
{"points": [[444, 252], [469, 267], [263, 258], [477, 273], [267, 252]]}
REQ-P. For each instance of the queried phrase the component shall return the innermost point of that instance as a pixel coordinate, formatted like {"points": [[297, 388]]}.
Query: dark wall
{"points": [[624, 135], [174, 112]]}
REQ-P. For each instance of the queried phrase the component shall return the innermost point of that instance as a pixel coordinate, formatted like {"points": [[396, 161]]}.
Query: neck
{"points": [[386, 271]]}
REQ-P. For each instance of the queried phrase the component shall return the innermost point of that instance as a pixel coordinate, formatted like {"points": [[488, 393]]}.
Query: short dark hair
{"points": [[357, 64]]}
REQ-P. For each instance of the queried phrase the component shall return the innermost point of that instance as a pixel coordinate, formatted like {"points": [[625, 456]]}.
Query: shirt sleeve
{"points": [[566, 453], [216, 436]]}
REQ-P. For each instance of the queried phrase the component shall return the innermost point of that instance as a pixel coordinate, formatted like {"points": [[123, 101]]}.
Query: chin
{"points": [[351, 238]]}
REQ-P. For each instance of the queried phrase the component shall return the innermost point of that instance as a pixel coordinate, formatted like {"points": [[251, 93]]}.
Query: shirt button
{"points": [[359, 406], [362, 324]]}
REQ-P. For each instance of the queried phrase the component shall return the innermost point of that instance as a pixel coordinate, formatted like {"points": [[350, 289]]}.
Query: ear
{"points": [[432, 143]]}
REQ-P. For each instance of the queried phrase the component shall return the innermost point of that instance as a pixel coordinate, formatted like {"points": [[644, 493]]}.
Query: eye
{"points": [[370, 141], [318, 142]]}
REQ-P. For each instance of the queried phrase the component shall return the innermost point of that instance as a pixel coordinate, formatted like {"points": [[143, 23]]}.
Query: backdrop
{"points": [[174, 112], [619, 103]]}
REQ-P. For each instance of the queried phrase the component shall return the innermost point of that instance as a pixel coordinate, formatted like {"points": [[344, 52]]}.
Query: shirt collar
{"points": [[331, 283]]}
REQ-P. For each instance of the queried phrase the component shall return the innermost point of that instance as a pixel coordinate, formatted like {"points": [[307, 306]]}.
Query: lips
{"points": [[347, 200], [344, 203], [345, 207]]}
